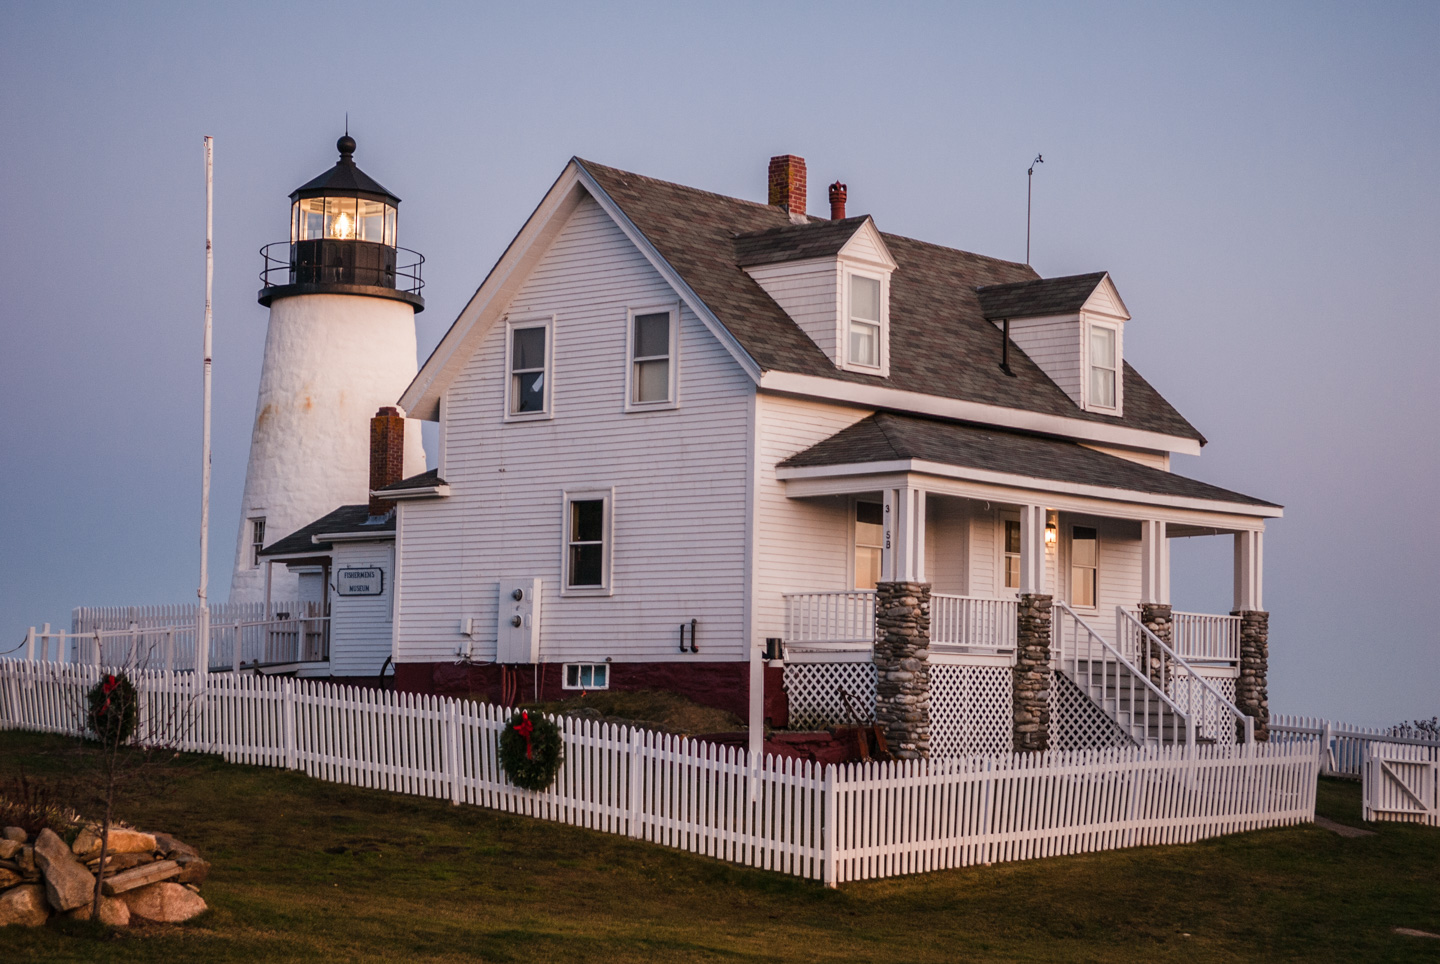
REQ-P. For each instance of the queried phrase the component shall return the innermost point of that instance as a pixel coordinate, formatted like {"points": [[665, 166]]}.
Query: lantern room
{"points": [[342, 240]]}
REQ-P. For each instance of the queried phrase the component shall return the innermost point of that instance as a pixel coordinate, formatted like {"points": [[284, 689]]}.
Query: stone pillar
{"points": [[1252, 694], [1158, 619], [1030, 728], [902, 665]]}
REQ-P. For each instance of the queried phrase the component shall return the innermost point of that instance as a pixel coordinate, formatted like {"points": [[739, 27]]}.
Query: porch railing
{"points": [[830, 620], [1126, 694], [972, 623], [1213, 717], [1202, 636]]}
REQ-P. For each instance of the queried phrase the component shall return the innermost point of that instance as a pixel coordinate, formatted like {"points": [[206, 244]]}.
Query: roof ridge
{"points": [[684, 187], [1036, 281], [889, 439]]}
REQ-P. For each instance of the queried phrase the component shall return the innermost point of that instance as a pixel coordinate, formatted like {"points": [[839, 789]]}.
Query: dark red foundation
{"points": [[723, 685]]}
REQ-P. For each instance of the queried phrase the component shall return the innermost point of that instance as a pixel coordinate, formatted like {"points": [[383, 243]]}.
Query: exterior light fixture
{"points": [[1052, 534]]}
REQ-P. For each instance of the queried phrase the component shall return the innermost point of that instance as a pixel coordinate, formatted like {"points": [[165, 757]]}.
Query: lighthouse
{"points": [[340, 345]]}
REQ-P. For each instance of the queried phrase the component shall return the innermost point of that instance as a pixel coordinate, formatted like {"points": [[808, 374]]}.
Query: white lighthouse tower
{"points": [[340, 345]]}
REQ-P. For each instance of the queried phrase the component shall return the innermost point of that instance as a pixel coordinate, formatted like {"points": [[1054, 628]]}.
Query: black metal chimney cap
{"points": [[344, 179]]}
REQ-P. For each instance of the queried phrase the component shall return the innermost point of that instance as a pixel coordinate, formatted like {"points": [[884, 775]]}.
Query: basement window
{"points": [[587, 676]]}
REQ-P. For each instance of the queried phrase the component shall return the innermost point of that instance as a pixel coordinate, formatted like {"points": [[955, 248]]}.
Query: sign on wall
{"points": [[367, 581]]}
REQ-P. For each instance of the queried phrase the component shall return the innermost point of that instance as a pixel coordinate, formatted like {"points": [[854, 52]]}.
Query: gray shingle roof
{"points": [[422, 481], [885, 437], [1045, 296], [347, 518], [942, 343], [796, 242]]}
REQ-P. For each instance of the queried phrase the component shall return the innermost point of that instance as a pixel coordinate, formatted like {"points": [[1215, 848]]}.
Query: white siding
{"points": [[360, 626], [947, 526], [809, 292], [866, 246], [1053, 343], [1117, 564], [679, 478], [801, 545], [986, 578]]}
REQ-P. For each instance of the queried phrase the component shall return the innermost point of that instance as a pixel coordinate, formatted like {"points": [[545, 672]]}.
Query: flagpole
{"points": [[202, 615]]}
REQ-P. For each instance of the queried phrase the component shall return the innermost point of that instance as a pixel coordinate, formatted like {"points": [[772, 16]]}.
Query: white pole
{"points": [[202, 614]]}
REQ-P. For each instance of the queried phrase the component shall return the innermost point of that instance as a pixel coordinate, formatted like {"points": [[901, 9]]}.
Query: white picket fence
{"points": [[1340, 747], [1401, 783], [831, 823]]}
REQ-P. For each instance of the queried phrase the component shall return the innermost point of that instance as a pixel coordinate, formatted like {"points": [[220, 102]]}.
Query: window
{"points": [[869, 543], [864, 321], [587, 542], [652, 358], [1012, 554], [257, 540], [530, 355], [1082, 566], [587, 676], [1102, 366]]}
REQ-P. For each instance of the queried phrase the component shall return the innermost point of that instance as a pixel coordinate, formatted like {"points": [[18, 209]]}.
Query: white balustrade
{"points": [[830, 620], [1206, 637], [972, 622]]}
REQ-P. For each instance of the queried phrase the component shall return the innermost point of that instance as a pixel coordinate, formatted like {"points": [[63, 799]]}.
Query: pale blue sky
{"points": [[1259, 180]]}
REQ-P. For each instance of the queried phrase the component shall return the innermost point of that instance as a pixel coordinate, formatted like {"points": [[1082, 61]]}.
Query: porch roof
{"points": [[886, 437], [348, 519]]}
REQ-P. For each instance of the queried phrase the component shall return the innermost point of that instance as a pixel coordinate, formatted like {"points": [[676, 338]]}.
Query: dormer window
{"points": [[1102, 366], [864, 321]]}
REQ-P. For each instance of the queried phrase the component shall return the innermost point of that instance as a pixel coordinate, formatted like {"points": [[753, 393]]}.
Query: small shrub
{"points": [[32, 806], [1418, 729]]}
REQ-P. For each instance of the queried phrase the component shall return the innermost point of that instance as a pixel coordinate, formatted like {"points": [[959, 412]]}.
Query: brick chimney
{"points": [[387, 455], [787, 184], [837, 201]]}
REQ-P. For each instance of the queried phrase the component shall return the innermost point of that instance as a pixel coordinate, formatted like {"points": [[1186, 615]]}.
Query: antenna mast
{"points": [[202, 615], [1029, 186]]}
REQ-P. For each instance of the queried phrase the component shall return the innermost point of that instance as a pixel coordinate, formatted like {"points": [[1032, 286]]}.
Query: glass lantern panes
{"points": [[342, 219]]}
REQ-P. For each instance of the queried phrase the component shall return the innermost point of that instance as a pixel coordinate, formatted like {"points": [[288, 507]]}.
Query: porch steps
{"points": [[1116, 693]]}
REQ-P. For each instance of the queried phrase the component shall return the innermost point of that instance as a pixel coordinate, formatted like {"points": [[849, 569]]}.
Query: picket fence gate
{"points": [[1401, 783], [831, 823], [1340, 747]]}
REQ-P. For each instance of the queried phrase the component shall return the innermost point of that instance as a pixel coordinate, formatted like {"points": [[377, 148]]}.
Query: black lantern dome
{"points": [[342, 240]]}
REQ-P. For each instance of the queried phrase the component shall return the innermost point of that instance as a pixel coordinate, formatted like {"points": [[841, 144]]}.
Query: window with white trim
{"points": [[1084, 576], [869, 543], [587, 542], [652, 371], [1102, 366], [257, 540], [864, 321], [587, 676], [1012, 554], [529, 355]]}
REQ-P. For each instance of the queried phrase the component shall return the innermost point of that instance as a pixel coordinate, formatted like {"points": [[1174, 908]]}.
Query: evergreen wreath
{"points": [[113, 704], [531, 751]]}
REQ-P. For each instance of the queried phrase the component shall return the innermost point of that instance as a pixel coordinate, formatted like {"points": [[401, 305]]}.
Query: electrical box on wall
{"points": [[517, 624]]}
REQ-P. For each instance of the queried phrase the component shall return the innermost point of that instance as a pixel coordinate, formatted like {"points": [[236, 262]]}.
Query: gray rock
{"points": [[24, 906], [122, 841], [67, 883], [193, 870], [9, 848], [9, 878], [25, 860], [165, 903], [113, 912], [168, 846], [16, 834]]}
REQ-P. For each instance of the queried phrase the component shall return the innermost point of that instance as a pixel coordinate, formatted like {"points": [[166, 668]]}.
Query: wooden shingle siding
{"points": [[801, 545], [1054, 345], [678, 477], [360, 626], [809, 292]]}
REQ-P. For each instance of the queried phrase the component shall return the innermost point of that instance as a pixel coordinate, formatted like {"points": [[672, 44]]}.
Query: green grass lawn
{"points": [[305, 870]]}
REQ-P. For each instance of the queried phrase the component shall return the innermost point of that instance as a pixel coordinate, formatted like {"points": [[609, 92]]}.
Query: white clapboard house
{"points": [[684, 437]]}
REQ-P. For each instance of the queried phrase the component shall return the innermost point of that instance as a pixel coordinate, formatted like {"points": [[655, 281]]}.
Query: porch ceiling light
{"points": [[1052, 534]]}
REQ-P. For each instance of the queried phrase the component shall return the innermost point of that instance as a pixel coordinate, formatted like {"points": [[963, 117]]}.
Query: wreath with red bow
{"points": [[113, 704], [531, 751]]}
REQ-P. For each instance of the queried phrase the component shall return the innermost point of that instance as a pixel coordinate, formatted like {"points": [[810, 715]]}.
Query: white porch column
{"points": [[1154, 563], [902, 559], [1032, 549], [1249, 569]]}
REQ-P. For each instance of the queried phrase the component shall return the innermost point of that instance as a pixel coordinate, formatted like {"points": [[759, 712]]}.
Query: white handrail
{"points": [[1210, 696], [974, 622], [1147, 701], [293, 639]]}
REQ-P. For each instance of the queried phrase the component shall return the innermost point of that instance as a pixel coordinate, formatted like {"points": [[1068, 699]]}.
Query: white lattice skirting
{"points": [[1213, 722], [815, 691], [970, 710], [1076, 723]]}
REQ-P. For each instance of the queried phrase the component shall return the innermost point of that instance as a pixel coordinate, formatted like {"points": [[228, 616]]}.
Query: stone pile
{"points": [[147, 877]]}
